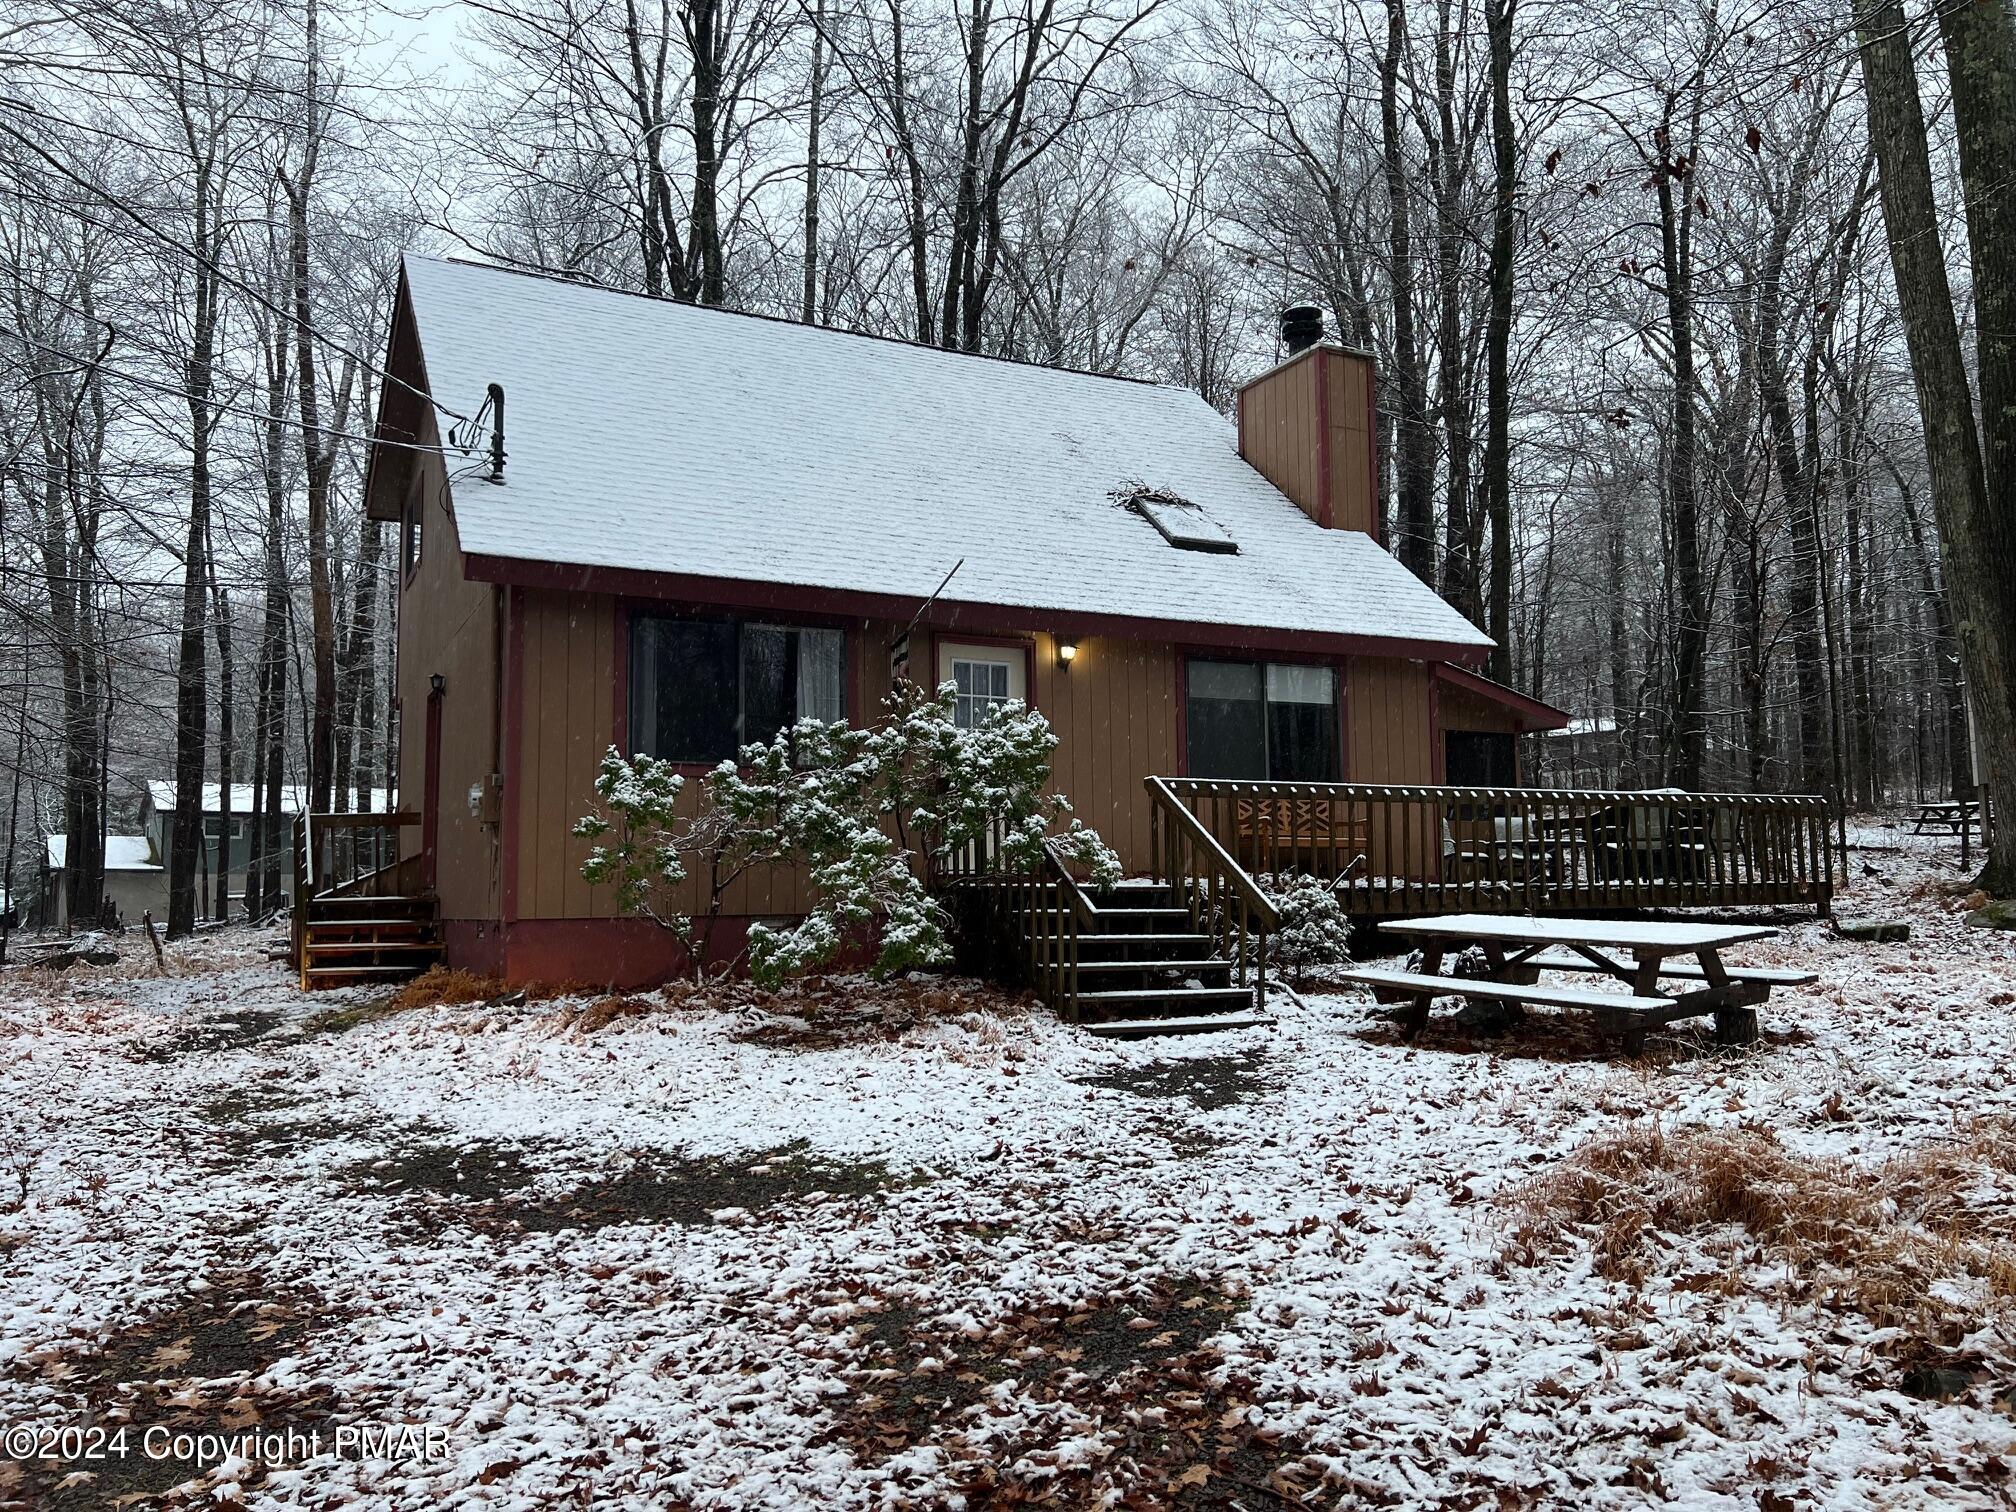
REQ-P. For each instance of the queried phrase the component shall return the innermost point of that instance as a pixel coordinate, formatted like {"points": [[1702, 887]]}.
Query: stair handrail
{"points": [[1053, 909], [1082, 905], [1242, 928], [1251, 893]]}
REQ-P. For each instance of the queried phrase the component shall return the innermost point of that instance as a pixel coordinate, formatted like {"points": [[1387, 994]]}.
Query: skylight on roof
{"points": [[1181, 523]]}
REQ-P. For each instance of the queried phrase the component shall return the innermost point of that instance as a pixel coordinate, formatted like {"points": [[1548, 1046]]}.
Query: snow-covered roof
{"points": [[654, 436], [162, 796], [122, 853]]}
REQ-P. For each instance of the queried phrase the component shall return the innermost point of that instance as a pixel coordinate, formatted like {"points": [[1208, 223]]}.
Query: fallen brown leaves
{"points": [[1113, 1402], [196, 1367]]}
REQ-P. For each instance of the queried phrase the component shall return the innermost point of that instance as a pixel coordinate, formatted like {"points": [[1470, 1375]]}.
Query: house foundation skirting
{"points": [[598, 953]]}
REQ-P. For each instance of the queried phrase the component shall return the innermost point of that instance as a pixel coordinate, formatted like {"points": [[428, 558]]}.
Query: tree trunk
{"points": [[1498, 342], [1980, 549], [1975, 527], [707, 263], [1690, 636], [226, 751], [809, 309], [1413, 537]]}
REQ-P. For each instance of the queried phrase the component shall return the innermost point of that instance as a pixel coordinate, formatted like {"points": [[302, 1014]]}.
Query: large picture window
{"points": [[1275, 722], [700, 690]]}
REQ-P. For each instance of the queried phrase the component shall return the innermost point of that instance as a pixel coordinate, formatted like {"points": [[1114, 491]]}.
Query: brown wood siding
{"points": [[569, 681], [1354, 500], [1278, 433], [1286, 435], [449, 625], [1466, 711], [1115, 713], [1389, 715], [1388, 718], [1116, 721]]}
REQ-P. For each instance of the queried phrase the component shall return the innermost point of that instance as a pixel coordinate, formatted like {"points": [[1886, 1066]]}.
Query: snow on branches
{"points": [[875, 816], [1314, 931]]}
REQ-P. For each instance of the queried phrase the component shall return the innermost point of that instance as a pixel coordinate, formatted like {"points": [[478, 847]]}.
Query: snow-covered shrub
{"points": [[873, 815], [1314, 931], [953, 788]]}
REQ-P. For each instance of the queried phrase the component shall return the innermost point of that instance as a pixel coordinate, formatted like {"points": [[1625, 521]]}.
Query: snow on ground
{"points": [[938, 1249]]}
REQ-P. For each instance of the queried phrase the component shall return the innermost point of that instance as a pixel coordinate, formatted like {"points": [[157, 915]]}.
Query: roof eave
{"points": [[741, 593], [1532, 713]]}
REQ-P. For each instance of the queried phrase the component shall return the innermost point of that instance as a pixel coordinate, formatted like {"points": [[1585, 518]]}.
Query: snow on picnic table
{"points": [[707, 1257]]}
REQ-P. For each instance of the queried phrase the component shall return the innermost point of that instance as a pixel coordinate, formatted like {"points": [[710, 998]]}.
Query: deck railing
{"points": [[1042, 905], [336, 853], [1411, 850]]}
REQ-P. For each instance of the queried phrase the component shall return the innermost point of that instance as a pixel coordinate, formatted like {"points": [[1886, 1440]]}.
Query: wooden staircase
{"points": [[1183, 951], [348, 938], [1143, 968], [361, 914]]}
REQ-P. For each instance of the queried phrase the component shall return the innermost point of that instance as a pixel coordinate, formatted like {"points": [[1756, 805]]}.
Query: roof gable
{"points": [[649, 436]]}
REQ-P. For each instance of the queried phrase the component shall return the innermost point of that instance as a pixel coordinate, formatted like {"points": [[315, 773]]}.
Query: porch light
{"points": [[437, 682], [1067, 652]]}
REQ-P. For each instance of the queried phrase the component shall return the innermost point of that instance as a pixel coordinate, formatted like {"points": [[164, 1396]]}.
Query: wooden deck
{"points": [[1402, 851]]}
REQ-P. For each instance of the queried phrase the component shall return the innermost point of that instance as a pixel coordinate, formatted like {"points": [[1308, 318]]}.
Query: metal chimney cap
{"points": [[1301, 326]]}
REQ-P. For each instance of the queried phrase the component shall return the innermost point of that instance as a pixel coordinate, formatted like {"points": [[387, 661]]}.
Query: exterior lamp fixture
{"points": [[438, 683], [1067, 652]]}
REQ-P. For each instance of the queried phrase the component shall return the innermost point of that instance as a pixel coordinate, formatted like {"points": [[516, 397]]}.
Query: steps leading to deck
{"points": [[1144, 970], [354, 938]]}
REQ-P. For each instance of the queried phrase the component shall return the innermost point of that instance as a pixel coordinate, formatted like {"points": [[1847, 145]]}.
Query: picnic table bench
{"points": [[1638, 953], [1947, 816]]}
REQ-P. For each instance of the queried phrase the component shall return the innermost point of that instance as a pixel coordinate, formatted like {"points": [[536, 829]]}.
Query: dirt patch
{"points": [[355, 1016], [830, 1013], [1566, 1036], [1118, 1398], [476, 1170], [1221, 1081], [247, 1123], [660, 1188], [234, 1030], [192, 1368]]}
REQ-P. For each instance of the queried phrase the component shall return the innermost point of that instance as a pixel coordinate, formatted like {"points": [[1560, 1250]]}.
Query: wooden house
{"points": [[633, 522]]}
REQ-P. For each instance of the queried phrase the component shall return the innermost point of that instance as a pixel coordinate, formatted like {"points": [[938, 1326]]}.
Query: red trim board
{"points": [[948, 615]]}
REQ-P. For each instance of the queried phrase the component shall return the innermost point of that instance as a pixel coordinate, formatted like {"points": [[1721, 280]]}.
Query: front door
{"points": [[985, 677]]}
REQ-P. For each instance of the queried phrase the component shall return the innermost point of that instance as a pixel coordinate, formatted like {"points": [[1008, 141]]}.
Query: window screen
{"points": [[1227, 720], [1263, 722], [700, 690]]}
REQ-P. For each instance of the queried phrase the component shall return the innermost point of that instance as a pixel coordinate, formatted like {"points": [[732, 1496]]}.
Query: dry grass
{"points": [[439, 986], [587, 1018], [1878, 1240]]}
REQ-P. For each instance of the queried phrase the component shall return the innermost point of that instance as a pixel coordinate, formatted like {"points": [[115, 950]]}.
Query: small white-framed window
{"points": [[982, 685]]}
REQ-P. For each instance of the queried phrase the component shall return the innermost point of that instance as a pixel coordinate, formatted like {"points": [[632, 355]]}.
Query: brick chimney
{"points": [[1306, 426]]}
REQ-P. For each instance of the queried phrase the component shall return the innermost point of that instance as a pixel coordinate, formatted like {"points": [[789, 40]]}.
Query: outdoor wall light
{"points": [[1067, 653], [438, 683]]}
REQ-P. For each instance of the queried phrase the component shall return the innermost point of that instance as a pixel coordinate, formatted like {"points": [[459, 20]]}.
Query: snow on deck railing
{"points": [[1410, 849]]}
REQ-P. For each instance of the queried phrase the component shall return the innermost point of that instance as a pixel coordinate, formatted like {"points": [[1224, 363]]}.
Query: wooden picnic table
{"points": [[1947, 816], [1638, 953]]}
